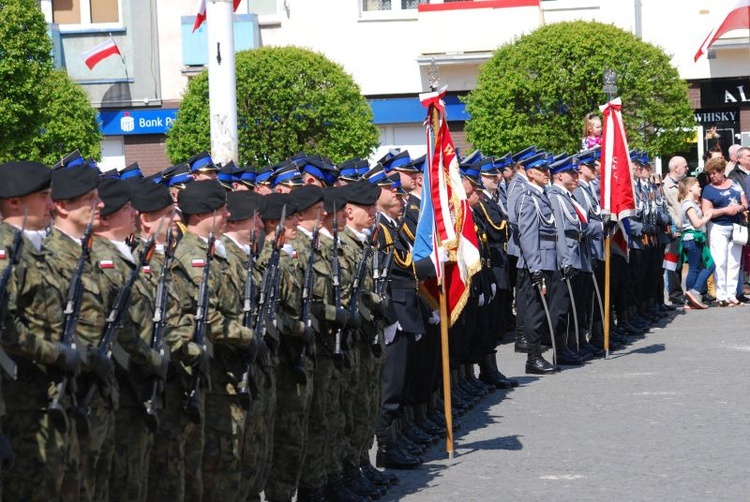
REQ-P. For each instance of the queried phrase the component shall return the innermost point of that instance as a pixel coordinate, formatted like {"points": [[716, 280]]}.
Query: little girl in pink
{"points": [[592, 131]]}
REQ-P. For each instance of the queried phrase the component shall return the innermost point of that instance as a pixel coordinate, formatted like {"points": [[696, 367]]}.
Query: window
{"points": [[390, 5], [86, 11]]}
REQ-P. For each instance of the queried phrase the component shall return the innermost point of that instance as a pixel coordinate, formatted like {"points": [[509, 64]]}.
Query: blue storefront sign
{"points": [[129, 122]]}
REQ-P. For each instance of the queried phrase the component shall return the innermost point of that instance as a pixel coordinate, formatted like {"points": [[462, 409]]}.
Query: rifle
{"points": [[362, 270], [269, 291], [156, 385], [385, 272], [245, 392], [16, 247], [65, 384], [307, 286], [338, 356], [200, 367], [83, 410]]}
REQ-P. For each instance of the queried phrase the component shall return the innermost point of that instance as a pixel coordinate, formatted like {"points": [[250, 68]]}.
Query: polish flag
{"points": [[93, 56], [201, 16], [738, 18]]}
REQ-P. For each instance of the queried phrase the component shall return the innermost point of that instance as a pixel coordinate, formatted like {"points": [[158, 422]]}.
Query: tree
{"points": [[44, 114], [288, 100], [536, 91]]}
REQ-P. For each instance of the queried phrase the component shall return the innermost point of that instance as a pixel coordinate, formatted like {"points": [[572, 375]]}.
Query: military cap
{"points": [[114, 193], [537, 161], [201, 162], [635, 155], [226, 175], [263, 175], [150, 197], [362, 193], [23, 178], [562, 165], [244, 204], [415, 166], [274, 204], [487, 167], [287, 175], [72, 159], [388, 155], [378, 176], [473, 173], [133, 171], [597, 152], [524, 154], [245, 175], [154, 178], [319, 167], [177, 176], [558, 157], [334, 197], [472, 158], [399, 160], [503, 162], [73, 180], [586, 158], [202, 197], [112, 174], [644, 159], [308, 195], [395, 178], [353, 169]]}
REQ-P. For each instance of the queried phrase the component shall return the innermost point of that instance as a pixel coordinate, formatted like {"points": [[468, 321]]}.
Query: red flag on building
{"points": [[93, 56], [453, 222], [738, 18], [201, 16]]}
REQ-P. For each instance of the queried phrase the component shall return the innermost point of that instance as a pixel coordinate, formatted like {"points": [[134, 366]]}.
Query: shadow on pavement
{"points": [[510, 443]]}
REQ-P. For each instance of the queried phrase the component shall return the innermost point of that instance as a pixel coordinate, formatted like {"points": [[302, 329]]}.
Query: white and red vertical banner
{"points": [[453, 224], [94, 56], [736, 18]]}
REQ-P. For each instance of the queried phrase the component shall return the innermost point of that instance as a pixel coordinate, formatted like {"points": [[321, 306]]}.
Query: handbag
{"points": [[739, 234]]}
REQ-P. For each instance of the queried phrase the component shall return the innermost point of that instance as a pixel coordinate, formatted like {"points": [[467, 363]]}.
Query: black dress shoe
{"points": [[395, 458], [359, 484], [377, 477], [539, 366], [521, 345], [568, 358]]}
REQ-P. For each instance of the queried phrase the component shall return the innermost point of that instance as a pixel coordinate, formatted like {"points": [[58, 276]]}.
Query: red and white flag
{"points": [[453, 222], [616, 183], [102, 51], [738, 18], [200, 18]]}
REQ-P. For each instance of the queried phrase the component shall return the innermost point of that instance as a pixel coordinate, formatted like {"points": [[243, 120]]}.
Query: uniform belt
{"points": [[548, 237], [574, 234]]}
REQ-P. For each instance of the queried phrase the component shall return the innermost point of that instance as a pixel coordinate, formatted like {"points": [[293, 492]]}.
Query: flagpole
{"points": [[609, 81], [447, 409]]}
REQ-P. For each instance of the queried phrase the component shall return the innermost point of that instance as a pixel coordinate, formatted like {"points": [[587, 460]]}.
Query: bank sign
{"points": [[130, 122]]}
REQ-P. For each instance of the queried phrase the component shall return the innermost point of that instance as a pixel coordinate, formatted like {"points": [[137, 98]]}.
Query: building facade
{"points": [[386, 45]]}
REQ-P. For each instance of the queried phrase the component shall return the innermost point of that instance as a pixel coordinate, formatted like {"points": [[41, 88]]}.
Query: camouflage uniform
{"points": [[222, 415], [97, 446], [365, 394], [292, 399], [33, 328], [135, 361]]}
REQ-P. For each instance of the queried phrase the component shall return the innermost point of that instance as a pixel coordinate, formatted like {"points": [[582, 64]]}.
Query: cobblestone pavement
{"points": [[664, 419]]}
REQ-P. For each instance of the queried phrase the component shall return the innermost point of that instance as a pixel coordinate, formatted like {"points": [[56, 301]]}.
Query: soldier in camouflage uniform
{"points": [[33, 329], [292, 393], [77, 203], [136, 362]]}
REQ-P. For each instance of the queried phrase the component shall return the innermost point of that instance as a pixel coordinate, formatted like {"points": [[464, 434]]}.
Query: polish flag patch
{"points": [[198, 263], [3, 254], [104, 264], [146, 269]]}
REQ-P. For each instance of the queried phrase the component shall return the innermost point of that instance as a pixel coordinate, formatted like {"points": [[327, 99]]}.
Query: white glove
{"points": [[434, 317], [442, 254], [288, 249], [493, 287], [389, 332], [481, 299]]}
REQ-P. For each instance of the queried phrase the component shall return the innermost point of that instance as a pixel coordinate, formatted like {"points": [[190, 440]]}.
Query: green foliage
{"points": [[288, 100], [43, 113], [24, 62], [536, 91], [70, 123]]}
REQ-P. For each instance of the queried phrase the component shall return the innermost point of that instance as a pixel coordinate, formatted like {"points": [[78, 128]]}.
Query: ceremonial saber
{"points": [[575, 314], [540, 288]]}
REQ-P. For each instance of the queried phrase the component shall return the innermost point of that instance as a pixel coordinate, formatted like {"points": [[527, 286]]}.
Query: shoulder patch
{"points": [[199, 262], [146, 269], [106, 264], [3, 254]]}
